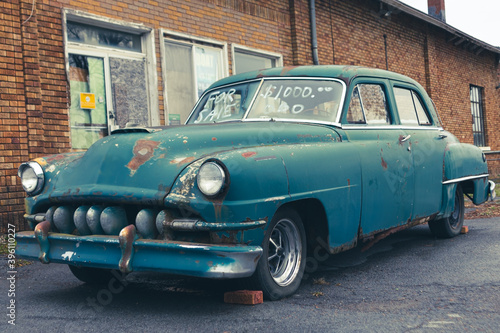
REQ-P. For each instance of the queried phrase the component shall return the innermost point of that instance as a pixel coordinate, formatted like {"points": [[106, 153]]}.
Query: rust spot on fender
{"points": [[143, 151], [182, 161], [384, 163], [249, 154]]}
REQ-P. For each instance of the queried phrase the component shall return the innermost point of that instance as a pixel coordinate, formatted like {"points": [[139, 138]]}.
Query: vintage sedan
{"points": [[269, 165]]}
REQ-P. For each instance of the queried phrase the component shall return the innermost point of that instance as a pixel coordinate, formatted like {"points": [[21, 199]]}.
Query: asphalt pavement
{"points": [[408, 282]]}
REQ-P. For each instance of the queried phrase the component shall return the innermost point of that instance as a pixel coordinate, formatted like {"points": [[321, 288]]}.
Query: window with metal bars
{"points": [[476, 105]]}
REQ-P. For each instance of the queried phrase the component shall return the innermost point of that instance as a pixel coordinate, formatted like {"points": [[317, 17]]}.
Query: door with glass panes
{"points": [[106, 93], [108, 82]]}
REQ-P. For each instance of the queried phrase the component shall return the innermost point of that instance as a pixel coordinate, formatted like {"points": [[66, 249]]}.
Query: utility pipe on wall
{"points": [[314, 39]]}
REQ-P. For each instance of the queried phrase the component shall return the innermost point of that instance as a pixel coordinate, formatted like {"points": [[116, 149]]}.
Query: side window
{"points": [[368, 105], [423, 119], [411, 110], [355, 114]]}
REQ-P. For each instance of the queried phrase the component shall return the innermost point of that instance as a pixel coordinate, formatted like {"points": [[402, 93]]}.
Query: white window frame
{"points": [[277, 57], [148, 54], [186, 39]]}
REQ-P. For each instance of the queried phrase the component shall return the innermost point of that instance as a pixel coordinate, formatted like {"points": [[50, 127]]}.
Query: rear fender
{"points": [[465, 164]]}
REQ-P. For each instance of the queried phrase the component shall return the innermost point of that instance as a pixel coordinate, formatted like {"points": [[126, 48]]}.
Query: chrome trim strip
{"points": [[297, 121], [389, 127], [197, 225], [456, 180], [244, 117]]}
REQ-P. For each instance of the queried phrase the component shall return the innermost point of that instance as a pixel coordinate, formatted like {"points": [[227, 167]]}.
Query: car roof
{"points": [[345, 73]]}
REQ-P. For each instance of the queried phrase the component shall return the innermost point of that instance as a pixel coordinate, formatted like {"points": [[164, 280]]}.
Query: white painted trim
{"points": [[278, 57], [104, 22], [191, 39]]}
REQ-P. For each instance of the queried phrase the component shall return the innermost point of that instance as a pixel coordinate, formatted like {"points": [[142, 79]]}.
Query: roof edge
{"points": [[435, 22]]}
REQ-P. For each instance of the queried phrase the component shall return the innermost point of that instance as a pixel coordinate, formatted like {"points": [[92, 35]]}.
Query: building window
{"points": [[109, 77], [246, 59], [91, 35], [476, 105], [190, 65]]}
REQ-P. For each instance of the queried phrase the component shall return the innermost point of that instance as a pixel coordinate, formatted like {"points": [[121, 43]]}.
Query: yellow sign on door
{"points": [[87, 101]]}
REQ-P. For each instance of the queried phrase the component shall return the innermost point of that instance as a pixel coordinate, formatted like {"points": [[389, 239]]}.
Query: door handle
{"points": [[442, 136], [405, 138]]}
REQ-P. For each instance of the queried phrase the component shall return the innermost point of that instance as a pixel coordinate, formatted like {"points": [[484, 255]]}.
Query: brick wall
{"points": [[34, 90], [13, 123], [357, 33]]}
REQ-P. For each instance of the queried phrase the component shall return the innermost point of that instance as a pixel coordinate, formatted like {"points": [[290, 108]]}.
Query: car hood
{"points": [[143, 166]]}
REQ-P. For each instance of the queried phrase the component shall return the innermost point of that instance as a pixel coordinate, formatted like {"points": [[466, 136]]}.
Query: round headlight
{"points": [[32, 177], [211, 178]]}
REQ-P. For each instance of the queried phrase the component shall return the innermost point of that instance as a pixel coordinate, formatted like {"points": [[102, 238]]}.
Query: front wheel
{"points": [[451, 226], [281, 267]]}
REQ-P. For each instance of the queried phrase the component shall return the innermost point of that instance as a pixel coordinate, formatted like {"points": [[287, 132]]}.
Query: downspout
{"points": [[314, 39]]}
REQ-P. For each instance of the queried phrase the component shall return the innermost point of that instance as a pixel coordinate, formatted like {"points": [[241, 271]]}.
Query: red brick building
{"points": [[72, 70]]}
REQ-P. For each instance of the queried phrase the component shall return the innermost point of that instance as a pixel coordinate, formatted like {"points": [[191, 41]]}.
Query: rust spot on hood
{"points": [[143, 151]]}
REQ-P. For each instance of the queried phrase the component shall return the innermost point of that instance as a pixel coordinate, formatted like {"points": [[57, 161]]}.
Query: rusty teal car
{"points": [[270, 166]]}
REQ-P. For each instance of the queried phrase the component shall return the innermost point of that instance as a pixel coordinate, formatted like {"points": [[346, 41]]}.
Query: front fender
{"points": [[258, 186]]}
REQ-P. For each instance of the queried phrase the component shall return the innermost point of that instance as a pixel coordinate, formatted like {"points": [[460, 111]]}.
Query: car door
{"points": [[427, 142], [385, 154]]}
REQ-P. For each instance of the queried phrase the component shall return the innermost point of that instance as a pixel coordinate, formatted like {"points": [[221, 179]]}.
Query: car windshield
{"points": [[308, 100]]}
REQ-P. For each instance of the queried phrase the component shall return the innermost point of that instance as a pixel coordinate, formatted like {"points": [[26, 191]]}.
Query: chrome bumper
{"points": [[127, 253]]}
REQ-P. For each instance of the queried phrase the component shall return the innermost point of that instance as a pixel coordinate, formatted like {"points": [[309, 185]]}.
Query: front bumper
{"points": [[127, 253]]}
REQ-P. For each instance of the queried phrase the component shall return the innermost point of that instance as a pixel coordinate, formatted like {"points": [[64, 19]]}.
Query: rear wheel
{"points": [[92, 275], [451, 226], [281, 267]]}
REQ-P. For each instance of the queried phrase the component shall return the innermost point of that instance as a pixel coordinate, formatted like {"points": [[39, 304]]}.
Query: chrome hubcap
{"points": [[285, 248]]}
